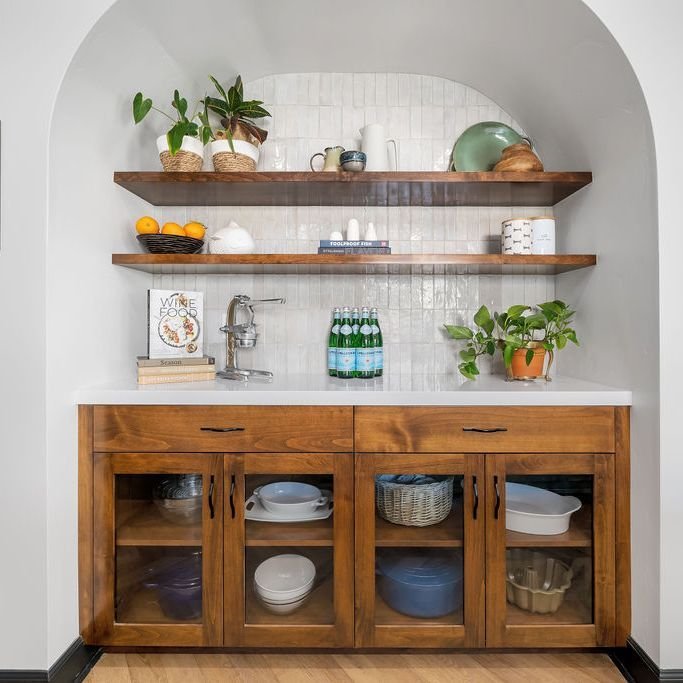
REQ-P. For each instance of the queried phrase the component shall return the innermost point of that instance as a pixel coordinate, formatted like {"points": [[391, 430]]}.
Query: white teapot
{"points": [[232, 239]]}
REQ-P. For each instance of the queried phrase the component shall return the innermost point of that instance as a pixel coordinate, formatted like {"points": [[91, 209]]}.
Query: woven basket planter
{"points": [[243, 159], [189, 158], [414, 500]]}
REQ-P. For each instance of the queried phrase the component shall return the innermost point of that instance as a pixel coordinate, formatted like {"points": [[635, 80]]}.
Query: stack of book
{"points": [[167, 370], [354, 247]]}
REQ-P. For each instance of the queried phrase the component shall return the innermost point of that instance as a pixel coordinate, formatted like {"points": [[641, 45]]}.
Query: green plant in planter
{"points": [[194, 126], [237, 114], [520, 327]]}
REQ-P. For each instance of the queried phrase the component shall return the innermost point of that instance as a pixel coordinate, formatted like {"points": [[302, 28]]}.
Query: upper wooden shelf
{"points": [[402, 188], [481, 264]]}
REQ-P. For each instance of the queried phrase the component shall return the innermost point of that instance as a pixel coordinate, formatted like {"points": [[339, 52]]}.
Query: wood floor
{"points": [[356, 668]]}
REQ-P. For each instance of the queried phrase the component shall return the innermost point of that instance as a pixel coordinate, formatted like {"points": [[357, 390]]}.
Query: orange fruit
{"points": [[172, 229], [147, 226], [194, 229]]}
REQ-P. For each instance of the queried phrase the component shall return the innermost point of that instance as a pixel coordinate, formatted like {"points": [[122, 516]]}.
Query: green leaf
{"points": [[175, 138], [488, 327], [219, 87], [239, 87], [529, 356], [459, 332], [217, 106], [141, 107], [571, 335], [548, 346], [491, 347], [482, 316], [561, 341], [179, 104], [468, 354], [535, 321], [517, 310], [507, 354], [251, 110], [469, 370]]}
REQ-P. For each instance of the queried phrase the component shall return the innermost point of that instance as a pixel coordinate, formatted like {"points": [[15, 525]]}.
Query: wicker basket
{"points": [[181, 161], [225, 162], [170, 244], [414, 500]]}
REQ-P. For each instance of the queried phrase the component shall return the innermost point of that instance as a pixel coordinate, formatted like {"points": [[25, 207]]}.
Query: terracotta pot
{"points": [[520, 370]]}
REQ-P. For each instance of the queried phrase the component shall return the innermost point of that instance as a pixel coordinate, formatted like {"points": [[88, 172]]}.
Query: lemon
{"points": [[147, 226], [173, 229], [194, 229]]}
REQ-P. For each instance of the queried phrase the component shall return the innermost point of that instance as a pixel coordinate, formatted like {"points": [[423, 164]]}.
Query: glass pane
{"points": [[419, 556], [289, 559], [549, 556], [158, 548]]}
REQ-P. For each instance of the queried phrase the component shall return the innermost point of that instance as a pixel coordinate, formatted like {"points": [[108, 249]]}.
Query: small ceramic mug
{"points": [[516, 236], [330, 159]]}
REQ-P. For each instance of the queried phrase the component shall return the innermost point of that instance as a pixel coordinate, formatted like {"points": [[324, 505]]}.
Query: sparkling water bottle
{"points": [[377, 343], [346, 353], [332, 342], [365, 350]]}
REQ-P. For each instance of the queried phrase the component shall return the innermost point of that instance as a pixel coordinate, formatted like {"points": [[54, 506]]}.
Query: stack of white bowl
{"points": [[282, 583]]}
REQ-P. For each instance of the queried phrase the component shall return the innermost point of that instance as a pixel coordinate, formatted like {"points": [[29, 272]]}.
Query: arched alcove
{"points": [[552, 66]]}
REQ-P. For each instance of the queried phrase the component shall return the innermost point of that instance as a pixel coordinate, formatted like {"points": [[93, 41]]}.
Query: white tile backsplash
{"points": [[310, 111]]}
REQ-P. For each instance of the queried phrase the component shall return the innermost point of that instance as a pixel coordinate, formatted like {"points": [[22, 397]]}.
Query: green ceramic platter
{"points": [[480, 147]]}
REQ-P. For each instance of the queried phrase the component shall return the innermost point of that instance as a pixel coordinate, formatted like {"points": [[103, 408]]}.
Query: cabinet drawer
{"points": [[453, 430], [227, 429]]}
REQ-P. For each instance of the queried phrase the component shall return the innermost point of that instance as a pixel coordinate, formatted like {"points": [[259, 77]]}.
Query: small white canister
{"points": [[516, 237], [543, 235]]}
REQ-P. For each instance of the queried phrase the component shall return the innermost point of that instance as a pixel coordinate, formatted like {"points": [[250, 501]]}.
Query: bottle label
{"points": [[365, 360], [379, 358], [366, 330], [346, 360], [356, 327], [345, 330], [335, 328], [375, 328], [331, 359]]}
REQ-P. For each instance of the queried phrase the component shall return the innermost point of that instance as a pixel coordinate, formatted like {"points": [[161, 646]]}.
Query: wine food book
{"points": [[354, 250], [175, 370], [353, 244], [145, 362], [175, 322], [174, 379]]}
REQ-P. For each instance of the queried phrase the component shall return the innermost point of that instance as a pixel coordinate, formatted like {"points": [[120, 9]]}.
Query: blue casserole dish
{"points": [[419, 583]]}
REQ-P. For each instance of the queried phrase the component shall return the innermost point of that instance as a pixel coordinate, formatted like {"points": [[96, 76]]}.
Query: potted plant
{"points": [[236, 145], [524, 336], [182, 147]]}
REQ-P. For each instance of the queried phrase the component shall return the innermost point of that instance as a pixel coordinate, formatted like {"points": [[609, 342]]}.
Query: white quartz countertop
{"points": [[428, 390]]}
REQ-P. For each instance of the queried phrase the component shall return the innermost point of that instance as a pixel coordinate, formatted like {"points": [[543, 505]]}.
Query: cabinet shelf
{"points": [[387, 616], [572, 611], [139, 523], [579, 534], [482, 264], [267, 534], [402, 188], [143, 608], [446, 534]]}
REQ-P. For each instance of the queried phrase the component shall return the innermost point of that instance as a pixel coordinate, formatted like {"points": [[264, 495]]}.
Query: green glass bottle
{"points": [[365, 352], [355, 326], [346, 353], [377, 343], [332, 343]]}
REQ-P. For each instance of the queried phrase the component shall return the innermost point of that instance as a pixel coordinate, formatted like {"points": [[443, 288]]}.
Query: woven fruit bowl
{"points": [[170, 244]]}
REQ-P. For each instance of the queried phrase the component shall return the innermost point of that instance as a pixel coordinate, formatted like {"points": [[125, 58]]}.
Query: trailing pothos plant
{"points": [[520, 327], [194, 126], [236, 113]]}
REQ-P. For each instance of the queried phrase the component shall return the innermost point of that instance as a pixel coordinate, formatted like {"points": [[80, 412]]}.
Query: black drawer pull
{"points": [[497, 490], [232, 496], [485, 430], [211, 507], [475, 491], [222, 429]]}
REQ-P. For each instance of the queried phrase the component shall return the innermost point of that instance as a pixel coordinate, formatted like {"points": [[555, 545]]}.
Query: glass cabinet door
{"points": [[551, 567], [420, 550], [289, 550], [157, 566]]}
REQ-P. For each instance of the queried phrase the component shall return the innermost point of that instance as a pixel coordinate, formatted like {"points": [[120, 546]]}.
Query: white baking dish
{"points": [[533, 510]]}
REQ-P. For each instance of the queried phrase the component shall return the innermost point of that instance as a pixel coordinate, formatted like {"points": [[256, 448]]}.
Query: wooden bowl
{"points": [[170, 244], [519, 158]]}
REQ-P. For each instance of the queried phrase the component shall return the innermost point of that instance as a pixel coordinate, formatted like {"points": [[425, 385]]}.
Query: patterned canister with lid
{"points": [[516, 236]]}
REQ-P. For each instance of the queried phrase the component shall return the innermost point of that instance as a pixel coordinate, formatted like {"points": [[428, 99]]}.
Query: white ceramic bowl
{"points": [[533, 510], [290, 498], [286, 608], [284, 577], [283, 601]]}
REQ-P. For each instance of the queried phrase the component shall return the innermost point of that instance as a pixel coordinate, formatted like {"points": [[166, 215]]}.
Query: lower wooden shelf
{"points": [[446, 534], [142, 607], [579, 534], [572, 611], [387, 616], [139, 523], [268, 534], [481, 264]]}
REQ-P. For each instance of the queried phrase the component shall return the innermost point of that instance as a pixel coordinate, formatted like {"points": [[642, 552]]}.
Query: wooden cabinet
{"points": [[154, 576]]}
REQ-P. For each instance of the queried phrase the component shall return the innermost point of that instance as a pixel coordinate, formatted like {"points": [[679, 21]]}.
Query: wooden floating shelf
{"points": [[398, 188], [482, 264]]}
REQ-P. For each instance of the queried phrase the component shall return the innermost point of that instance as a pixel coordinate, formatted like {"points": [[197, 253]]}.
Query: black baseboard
{"points": [[637, 666], [72, 667]]}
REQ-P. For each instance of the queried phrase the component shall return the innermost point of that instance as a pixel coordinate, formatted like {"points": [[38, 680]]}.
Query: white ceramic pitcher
{"points": [[375, 144]]}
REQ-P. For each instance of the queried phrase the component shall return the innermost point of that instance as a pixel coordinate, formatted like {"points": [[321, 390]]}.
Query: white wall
{"points": [[648, 34]]}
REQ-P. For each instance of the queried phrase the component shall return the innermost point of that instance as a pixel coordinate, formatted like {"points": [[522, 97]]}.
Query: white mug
{"points": [[375, 145], [516, 236]]}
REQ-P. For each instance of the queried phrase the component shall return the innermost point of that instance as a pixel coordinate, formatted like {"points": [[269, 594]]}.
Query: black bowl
{"points": [[170, 244]]}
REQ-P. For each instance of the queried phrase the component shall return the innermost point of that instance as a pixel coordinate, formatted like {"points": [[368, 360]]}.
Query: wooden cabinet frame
{"points": [[471, 632], [107, 631]]}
